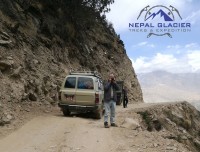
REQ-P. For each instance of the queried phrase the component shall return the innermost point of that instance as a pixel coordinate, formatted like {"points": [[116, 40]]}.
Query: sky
{"points": [[179, 54]]}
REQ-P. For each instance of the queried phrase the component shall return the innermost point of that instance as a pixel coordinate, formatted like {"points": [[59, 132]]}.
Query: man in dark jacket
{"points": [[125, 99], [110, 99]]}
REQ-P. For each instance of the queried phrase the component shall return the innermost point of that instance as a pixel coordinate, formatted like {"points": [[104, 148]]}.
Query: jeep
{"points": [[82, 92]]}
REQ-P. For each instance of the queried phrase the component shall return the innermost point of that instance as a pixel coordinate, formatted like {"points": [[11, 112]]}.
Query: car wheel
{"points": [[118, 103], [98, 114], [66, 112]]}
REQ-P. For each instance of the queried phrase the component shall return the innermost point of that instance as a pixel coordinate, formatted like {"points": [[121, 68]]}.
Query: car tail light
{"points": [[96, 98], [59, 95]]}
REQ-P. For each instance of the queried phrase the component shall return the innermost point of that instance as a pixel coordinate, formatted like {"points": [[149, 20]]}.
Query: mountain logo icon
{"points": [[160, 14]]}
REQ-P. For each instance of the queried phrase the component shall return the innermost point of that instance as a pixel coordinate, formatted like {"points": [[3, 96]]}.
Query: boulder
{"points": [[4, 38], [5, 65], [32, 97], [177, 115], [5, 35], [50, 100], [197, 143], [25, 96], [10, 58], [3, 42], [35, 61], [17, 72], [130, 123], [6, 119]]}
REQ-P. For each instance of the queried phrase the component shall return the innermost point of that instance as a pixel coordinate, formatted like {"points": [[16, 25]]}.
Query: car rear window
{"points": [[70, 82], [85, 83]]}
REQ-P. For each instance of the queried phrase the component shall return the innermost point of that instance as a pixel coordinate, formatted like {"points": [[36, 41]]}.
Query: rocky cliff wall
{"points": [[41, 41]]}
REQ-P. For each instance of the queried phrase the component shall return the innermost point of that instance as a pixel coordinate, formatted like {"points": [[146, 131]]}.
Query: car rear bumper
{"points": [[79, 108]]}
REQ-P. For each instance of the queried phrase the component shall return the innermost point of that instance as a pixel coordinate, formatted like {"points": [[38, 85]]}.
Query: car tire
{"points": [[98, 114], [66, 112], [118, 103]]}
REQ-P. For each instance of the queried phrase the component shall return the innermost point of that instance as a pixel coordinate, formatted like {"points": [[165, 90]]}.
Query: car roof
{"points": [[85, 73], [87, 76]]}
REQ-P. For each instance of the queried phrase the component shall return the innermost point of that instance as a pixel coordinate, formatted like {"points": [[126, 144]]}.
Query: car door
{"points": [[85, 93], [69, 90]]}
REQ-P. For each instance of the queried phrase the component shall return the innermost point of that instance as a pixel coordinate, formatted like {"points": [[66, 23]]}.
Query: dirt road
{"points": [[60, 134], [55, 133]]}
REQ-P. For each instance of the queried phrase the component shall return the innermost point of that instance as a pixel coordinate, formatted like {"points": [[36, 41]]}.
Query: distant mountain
{"points": [[160, 13], [162, 86]]}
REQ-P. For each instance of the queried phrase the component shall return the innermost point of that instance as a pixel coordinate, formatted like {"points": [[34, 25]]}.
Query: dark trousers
{"points": [[125, 102]]}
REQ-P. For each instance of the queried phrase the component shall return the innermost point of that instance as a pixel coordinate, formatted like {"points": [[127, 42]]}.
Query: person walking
{"points": [[110, 99], [125, 99]]}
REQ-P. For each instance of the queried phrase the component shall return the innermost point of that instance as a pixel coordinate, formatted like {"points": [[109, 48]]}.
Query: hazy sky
{"points": [[181, 53]]}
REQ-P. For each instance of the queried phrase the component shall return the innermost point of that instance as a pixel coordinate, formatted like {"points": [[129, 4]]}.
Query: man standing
{"points": [[125, 99], [110, 99]]}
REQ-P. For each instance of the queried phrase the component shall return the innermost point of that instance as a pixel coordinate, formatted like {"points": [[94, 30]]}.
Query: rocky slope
{"points": [[41, 41], [163, 127]]}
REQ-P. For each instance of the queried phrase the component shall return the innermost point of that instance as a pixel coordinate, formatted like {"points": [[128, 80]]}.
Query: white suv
{"points": [[82, 92]]}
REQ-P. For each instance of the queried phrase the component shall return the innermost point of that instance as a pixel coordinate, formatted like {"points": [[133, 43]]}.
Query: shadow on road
{"points": [[88, 115]]}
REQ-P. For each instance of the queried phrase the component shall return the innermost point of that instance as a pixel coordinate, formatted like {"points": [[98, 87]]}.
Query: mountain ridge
{"points": [[162, 86]]}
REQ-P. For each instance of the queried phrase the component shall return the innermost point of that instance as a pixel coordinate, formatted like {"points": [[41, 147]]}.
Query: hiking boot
{"points": [[114, 125], [106, 125]]}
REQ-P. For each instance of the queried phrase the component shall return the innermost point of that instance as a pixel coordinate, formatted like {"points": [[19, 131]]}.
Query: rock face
{"points": [[181, 120], [41, 41]]}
